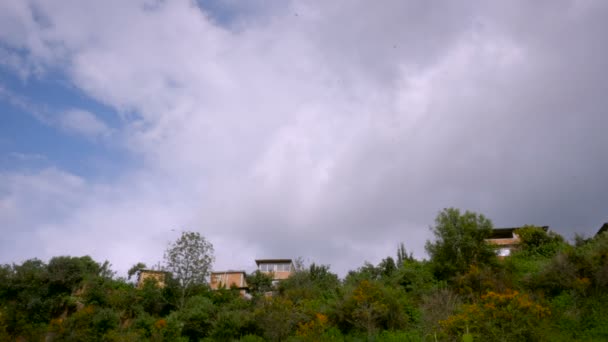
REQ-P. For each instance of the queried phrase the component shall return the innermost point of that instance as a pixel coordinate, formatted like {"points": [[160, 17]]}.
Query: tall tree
{"points": [[460, 241], [402, 255], [189, 259]]}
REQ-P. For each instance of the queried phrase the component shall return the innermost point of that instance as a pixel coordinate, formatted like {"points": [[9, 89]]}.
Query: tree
{"points": [[414, 276], [277, 317], [259, 283], [535, 240], [402, 255], [189, 259], [309, 283], [387, 266], [460, 241], [67, 273], [370, 306], [136, 269], [366, 272]]}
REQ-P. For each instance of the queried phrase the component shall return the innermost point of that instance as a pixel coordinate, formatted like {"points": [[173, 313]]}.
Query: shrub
{"points": [[508, 316]]}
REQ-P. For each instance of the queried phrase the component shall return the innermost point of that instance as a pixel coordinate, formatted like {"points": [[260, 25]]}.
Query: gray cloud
{"points": [[331, 131]]}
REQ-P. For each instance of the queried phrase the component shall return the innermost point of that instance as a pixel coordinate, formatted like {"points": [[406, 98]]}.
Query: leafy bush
{"points": [[535, 240], [508, 316], [399, 336]]}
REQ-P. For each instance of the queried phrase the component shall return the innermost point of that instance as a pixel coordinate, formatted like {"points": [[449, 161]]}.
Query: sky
{"points": [[326, 130]]}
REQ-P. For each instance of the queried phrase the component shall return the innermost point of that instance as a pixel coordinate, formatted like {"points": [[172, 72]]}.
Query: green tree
{"points": [[277, 317], [371, 306], [259, 283], [535, 240], [28, 302], [460, 241], [136, 269], [387, 266], [66, 274], [402, 255], [366, 272], [189, 259], [414, 276], [309, 283], [197, 317]]}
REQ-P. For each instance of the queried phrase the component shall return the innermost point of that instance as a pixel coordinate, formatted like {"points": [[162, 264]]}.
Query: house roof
{"points": [[505, 233], [228, 271], [154, 271], [273, 261]]}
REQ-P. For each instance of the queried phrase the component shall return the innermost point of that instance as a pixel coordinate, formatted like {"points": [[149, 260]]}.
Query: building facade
{"points": [[228, 279], [280, 269], [159, 276]]}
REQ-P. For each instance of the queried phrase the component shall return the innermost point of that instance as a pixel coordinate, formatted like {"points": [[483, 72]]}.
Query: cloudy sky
{"points": [[330, 130]]}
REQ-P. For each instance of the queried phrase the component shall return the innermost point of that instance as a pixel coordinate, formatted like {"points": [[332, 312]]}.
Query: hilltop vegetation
{"points": [[548, 290]]}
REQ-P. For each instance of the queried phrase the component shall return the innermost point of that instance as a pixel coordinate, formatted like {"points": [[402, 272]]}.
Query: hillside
{"points": [[546, 290]]}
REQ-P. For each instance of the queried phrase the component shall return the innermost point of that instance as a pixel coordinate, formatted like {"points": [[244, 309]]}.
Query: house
{"points": [[229, 279], [159, 276], [279, 268], [506, 240]]}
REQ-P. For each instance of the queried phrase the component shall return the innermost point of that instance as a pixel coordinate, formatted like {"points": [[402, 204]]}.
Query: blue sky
{"points": [[30, 142], [327, 130]]}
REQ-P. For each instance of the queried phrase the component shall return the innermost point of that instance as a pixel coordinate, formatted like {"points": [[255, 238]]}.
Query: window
{"points": [[267, 267], [284, 267]]}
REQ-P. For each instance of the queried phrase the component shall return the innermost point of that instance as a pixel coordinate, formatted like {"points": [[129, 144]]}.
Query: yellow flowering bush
{"points": [[312, 329], [507, 316]]}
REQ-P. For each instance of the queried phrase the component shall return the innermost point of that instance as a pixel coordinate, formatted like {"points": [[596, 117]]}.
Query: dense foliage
{"points": [[548, 290]]}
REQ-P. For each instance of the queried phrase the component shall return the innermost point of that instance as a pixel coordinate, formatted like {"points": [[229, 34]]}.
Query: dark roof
{"points": [[603, 228], [273, 261], [506, 233]]}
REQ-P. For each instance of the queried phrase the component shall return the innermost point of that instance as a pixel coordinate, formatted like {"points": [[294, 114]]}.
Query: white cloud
{"points": [[26, 198], [83, 122]]}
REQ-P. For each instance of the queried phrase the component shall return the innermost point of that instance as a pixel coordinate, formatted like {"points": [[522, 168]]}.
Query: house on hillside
{"points": [[279, 268], [229, 279], [506, 240], [159, 276]]}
